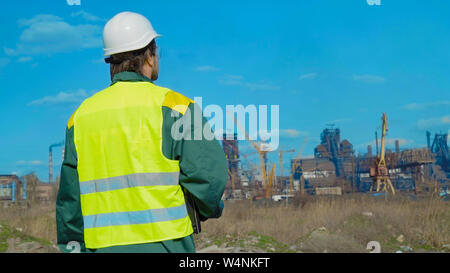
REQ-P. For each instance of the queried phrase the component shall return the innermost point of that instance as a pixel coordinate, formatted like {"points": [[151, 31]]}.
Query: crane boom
{"points": [[281, 152], [383, 139], [259, 148], [381, 173]]}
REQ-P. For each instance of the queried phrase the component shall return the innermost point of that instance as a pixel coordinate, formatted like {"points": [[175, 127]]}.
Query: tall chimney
{"points": [[376, 141], [428, 139], [369, 150], [50, 165], [50, 160]]}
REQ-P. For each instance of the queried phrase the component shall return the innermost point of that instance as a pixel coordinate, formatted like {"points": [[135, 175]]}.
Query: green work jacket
{"points": [[203, 173]]}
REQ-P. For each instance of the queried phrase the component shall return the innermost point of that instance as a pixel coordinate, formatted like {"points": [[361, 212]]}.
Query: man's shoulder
{"points": [[176, 101], [71, 122]]}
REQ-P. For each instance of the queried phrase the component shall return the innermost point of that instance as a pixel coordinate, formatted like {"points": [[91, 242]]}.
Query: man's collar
{"points": [[127, 76]]}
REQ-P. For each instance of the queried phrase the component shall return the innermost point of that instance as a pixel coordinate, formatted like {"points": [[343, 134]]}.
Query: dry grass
{"points": [[424, 223], [38, 221]]}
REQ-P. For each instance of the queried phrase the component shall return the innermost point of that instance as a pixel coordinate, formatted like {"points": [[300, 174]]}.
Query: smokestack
{"points": [[50, 165], [428, 139], [397, 146], [50, 160], [369, 150], [376, 141]]}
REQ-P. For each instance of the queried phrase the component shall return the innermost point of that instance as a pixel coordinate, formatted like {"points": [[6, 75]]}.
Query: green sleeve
{"points": [[69, 220], [203, 166]]}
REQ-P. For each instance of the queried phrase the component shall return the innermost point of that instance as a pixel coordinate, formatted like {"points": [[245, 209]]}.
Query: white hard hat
{"points": [[127, 31]]}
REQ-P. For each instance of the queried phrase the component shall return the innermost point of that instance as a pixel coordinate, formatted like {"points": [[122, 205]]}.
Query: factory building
{"points": [[11, 189]]}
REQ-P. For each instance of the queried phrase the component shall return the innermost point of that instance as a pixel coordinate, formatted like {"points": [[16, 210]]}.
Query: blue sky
{"points": [[322, 62]]}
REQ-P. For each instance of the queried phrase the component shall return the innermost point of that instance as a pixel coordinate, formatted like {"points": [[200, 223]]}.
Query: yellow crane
{"points": [[281, 152], [270, 182], [259, 147], [380, 172]]}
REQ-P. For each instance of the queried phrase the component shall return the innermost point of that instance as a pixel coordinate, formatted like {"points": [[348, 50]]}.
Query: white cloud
{"points": [[236, 80], [87, 16], [261, 86], [425, 105], [341, 120], [292, 133], [423, 124], [206, 68], [231, 80], [29, 163], [288, 133], [24, 59], [61, 97], [308, 76], [73, 2], [234, 77], [369, 78], [47, 34]]}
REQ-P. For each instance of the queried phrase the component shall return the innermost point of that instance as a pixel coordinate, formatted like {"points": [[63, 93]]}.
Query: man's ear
{"points": [[149, 60]]}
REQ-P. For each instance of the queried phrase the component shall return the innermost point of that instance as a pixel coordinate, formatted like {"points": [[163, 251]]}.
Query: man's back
{"points": [[126, 159], [129, 189], [127, 117]]}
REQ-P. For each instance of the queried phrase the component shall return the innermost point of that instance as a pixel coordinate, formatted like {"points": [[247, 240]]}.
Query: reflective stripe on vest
{"points": [[135, 217], [129, 181], [129, 190]]}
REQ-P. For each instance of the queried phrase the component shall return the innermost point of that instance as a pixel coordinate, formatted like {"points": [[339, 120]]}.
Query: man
{"points": [[124, 177]]}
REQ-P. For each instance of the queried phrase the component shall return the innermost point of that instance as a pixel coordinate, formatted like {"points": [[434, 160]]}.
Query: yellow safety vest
{"points": [[129, 190]]}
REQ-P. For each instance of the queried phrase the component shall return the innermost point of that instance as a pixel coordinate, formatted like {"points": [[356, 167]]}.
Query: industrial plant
{"points": [[335, 169], [23, 191]]}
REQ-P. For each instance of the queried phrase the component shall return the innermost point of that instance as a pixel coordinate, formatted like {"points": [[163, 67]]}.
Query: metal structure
{"points": [[369, 151], [441, 151], [333, 149], [380, 172], [428, 139], [231, 150], [397, 146], [50, 159], [296, 169]]}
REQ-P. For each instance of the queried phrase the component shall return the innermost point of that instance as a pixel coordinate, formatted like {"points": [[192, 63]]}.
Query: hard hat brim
{"points": [[146, 39]]}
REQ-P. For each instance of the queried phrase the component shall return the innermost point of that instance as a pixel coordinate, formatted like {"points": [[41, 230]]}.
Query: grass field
{"points": [[307, 224], [335, 224]]}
